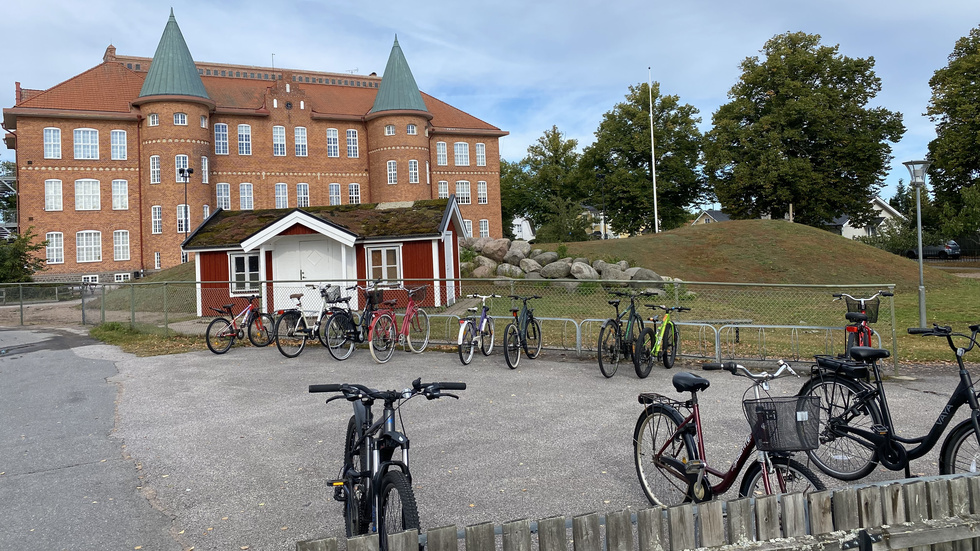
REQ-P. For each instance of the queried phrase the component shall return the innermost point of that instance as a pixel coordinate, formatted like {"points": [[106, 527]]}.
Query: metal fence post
{"points": [[102, 320], [166, 316], [132, 305], [891, 303], [83, 304], [21, 287]]}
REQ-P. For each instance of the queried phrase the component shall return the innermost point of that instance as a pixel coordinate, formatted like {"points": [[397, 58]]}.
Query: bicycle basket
{"points": [[330, 293], [871, 307], [374, 296], [419, 294], [784, 423]]}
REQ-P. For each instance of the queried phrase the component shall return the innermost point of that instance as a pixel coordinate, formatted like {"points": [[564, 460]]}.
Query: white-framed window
{"points": [[413, 172], [278, 141], [153, 119], [244, 274], [389, 130], [156, 219], [481, 193], [302, 195], [299, 139], [411, 130], [204, 170], [282, 196], [484, 227], [183, 219], [52, 195], [334, 194], [463, 192], [468, 227], [52, 143], [441, 159], [154, 169], [120, 245], [443, 189], [352, 149], [184, 257], [88, 246], [333, 143], [221, 139], [181, 162], [94, 278], [87, 194], [180, 119], [207, 211], [354, 194], [244, 139], [392, 172], [245, 196], [121, 277], [86, 143], [120, 195], [222, 193], [118, 150], [156, 261], [204, 121], [481, 154], [55, 250], [461, 154], [384, 263]]}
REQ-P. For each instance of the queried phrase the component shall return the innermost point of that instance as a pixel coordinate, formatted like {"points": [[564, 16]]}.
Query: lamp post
{"points": [[185, 175], [917, 170]]}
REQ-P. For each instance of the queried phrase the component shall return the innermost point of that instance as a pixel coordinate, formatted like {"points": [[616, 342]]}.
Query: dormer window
{"points": [[389, 130]]}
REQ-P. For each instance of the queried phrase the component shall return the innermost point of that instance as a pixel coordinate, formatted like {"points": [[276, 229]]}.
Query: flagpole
{"points": [[653, 155]]}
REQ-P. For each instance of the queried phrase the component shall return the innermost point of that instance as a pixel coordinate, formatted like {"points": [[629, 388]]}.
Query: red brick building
{"points": [[103, 157]]}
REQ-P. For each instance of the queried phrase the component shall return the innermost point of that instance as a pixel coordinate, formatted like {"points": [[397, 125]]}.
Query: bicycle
{"points": [[856, 427], [345, 328], [669, 452], [292, 328], [471, 331], [860, 312], [616, 341], [658, 342], [374, 485], [522, 333], [221, 333]]}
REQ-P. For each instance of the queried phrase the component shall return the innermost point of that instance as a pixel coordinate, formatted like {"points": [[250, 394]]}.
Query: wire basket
{"points": [[419, 293], [374, 296], [870, 307], [330, 293], [784, 423]]}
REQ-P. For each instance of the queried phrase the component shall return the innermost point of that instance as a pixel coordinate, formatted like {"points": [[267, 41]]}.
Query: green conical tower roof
{"points": [[398, 90], [173, 71]]}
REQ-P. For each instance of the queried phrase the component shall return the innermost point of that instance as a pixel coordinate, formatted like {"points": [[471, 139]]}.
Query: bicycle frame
{"points": [[245, 315], [479, 327], [410, 309], [628, 313], [661, 328]]}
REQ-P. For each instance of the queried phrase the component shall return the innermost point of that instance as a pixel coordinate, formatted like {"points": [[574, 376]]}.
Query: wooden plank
{"points": [[922, 534], [551, 534], [479, 537], [917, 505], [893, 504], [845, 509], [821, 512], [648, 529], [740, 521], [585, 533], [959, 500], [712, 520], [794, 515], [517, 535], [973, 483], [326, 544], [680, 527], [619, 531], [404, 541], [937, 492], [869, 505], [367, 542], [767, 517], [442, 539]]}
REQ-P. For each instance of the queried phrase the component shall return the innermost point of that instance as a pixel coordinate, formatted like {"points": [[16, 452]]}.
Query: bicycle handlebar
{"points": [[742, 371], [352, 391], [879, 293], [947, 331], [525, 299], [669, 308], [483, 297]]}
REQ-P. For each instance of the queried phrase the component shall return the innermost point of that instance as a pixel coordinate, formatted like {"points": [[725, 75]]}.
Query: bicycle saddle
{"points": [[296, 295], [614, 302], [856, 316], [868, 354], [689, 382]]}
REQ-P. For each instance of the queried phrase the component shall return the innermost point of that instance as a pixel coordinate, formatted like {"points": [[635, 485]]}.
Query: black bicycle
{"points": [[374, 484], [522, 333], [618, 334], [856, 427]]}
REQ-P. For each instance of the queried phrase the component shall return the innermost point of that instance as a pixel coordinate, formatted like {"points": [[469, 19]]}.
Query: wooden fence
{"points": [[940, 513]]}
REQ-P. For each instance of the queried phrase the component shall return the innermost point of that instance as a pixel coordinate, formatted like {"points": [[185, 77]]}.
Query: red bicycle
{"points": [[221, 333], [384, 334], [861, 312]]}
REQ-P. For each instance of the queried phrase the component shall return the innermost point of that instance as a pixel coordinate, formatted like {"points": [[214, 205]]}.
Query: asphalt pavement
{"points": [[231, 452]]}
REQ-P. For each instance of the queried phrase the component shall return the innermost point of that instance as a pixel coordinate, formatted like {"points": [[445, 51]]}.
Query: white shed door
{"points": [[307, 259]]}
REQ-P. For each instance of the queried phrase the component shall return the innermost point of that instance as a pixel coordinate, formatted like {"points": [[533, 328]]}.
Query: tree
{"points": [[563, 221], [955, 152], [19, 259], [618, 166], [798, 131], [548, 171], [8, 197]]}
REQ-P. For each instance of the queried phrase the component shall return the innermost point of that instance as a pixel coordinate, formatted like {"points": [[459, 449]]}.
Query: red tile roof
{"points": [[109, 87]]}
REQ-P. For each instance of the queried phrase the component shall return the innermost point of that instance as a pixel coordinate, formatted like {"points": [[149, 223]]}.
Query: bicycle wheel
{"points": [[261, 330], [467, 343], [382, 339], [790, 477], [418, 332], [661, 453], [220, 335], [338, 331], [512, 346], [668, 348], [629, 341], [839, 455], [532, 340], [356, 515], [961, 451], [291, 334], [398, 511], [608, 352], [643, 354], [486, 337]]}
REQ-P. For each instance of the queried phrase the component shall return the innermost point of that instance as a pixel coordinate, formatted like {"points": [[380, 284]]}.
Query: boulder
{"points": [[534, 253], [479, 242], [513, 257], [521, 246], [533, 275], [599, 265], [530, 265], [545, 258], [509, 270], [582, 270], [497, 249], [611, 272], [643, 277], [631, 271], [556, 270], [483, 272], [623, 265], [568, 285], [484, 261], [466, 267], [582, 260]]}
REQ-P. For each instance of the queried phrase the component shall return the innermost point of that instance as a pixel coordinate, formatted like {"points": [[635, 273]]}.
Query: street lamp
{"points": [[917, 170], [185, 175]]}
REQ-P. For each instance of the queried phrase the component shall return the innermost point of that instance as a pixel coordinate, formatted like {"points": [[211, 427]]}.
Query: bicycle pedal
{"points": [[880, 429], [339, 492], [694, 466]]}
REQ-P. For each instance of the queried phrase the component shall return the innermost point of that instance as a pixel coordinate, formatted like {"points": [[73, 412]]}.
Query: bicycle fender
{"points": [[462, 329], [360, 417]]}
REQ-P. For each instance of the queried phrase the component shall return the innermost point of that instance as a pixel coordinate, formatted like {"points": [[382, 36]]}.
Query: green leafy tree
{"points": [[955, 153], [798, 131], [547, 171], [616, 169], [563, 222], [20, 258], [8, 198], [513, 187]]}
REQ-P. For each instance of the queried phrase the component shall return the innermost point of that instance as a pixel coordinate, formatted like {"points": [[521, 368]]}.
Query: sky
{"points": [[523, 66]]}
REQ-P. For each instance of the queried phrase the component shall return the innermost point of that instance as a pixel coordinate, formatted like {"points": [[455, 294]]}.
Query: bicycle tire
{"points": [[643, 356], [339, 343], [486, 337], [608, 351], [356, 514], [220, 335], [629, 341], [669, 346], [261, 330], [398, 509], [382, 338], [796, 478], [839, 456], [418, 332], [512, 346], [954, 458], [532, 339], [662, 484], [290, 337], [466, 343]]}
